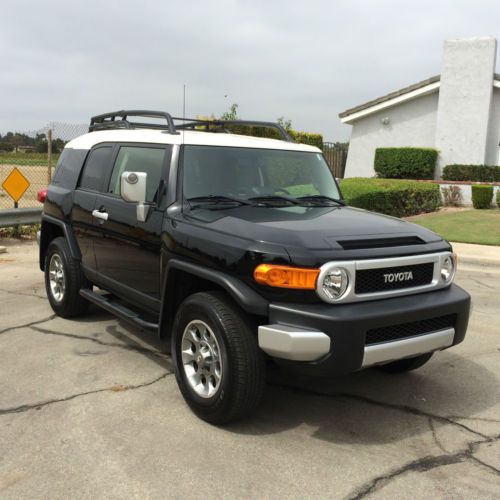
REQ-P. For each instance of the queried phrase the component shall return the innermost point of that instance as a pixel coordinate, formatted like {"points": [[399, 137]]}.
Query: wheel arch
{"points": [[184, 278], [52, 228]]}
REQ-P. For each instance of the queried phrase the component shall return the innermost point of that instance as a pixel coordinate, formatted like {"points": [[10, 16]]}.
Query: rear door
{"points": [[91, 182], [128, 251]]}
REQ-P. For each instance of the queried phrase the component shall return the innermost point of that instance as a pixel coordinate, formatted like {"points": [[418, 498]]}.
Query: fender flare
{"points": [[247, 298], [68, 234]]}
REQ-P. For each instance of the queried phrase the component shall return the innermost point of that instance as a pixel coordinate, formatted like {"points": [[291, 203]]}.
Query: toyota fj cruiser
{"points": [[240, 250]]}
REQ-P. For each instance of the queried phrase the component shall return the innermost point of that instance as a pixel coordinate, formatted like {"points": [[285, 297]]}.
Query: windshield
{"points": [[255, 174]]}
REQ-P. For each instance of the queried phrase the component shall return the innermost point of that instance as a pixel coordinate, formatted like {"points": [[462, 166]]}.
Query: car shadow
{"points": [[145, 342], [368, 407], [372, 407]]}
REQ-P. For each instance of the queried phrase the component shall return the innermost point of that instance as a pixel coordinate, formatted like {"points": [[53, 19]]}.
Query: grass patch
{"points": [[26, 159], [465, 226], [20, 232]]}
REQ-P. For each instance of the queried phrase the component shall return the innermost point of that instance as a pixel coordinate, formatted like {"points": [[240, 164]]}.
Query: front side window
{"points": [[139, 159], [248, 173], [95, 168]]}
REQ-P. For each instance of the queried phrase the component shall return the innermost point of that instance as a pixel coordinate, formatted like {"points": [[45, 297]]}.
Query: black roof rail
{"points": [[108, 120], [195, 122]]}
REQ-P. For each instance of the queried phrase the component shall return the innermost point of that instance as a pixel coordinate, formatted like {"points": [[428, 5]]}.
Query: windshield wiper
{"points": [[275, 197], [320, 197], [214, 199]]}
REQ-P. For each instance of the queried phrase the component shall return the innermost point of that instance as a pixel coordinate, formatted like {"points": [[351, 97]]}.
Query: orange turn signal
{"points": [[286, 277]]}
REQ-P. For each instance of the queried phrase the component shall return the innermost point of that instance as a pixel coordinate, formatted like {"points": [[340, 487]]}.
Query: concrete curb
{"points": [[477, 255]]}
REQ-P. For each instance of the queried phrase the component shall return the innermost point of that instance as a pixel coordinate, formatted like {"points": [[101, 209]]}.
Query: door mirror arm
{"points": [[133, 190]]}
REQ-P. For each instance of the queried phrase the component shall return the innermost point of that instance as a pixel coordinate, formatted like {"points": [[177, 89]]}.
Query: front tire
{"points": [[218, 364], [64, 280], [406, 365]]}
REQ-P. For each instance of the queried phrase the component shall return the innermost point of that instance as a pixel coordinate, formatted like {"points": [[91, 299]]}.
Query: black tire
{"points": [[406, 365], [243, 369], [72, 304]]}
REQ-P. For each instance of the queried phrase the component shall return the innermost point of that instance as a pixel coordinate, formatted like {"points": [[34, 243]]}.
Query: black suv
{"points": [[240, 250]]}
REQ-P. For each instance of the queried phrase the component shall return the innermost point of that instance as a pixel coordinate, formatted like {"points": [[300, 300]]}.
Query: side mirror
{"points": [[133, 190]]}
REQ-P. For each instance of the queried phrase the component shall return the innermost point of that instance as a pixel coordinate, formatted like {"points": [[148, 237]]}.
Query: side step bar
{"points": [[118, 310]]}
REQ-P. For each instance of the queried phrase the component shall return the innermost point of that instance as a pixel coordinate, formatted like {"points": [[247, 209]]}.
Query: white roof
{"points": [[153, 136]]}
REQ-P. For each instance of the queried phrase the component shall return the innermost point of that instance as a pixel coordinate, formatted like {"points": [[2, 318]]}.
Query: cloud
{"points": [[64, 61]]}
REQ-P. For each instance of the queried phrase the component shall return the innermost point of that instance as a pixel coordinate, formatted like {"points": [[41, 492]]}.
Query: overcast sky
{"points": [[307, 61]]}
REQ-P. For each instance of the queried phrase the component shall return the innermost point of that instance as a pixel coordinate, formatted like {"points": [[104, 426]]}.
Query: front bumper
{"points": [[337, 342]]}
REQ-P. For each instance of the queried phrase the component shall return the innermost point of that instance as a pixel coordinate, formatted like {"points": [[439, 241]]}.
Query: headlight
{"points": [[333, 284], [448, 268]]}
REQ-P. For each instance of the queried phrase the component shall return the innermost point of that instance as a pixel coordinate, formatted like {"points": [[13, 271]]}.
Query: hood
{"points": [[343, 231]]}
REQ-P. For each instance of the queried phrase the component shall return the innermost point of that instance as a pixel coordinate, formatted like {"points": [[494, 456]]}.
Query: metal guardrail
{"points": [[20, 216]]}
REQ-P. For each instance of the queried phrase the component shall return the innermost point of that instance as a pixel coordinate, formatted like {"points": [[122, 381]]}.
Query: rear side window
{"points": [[95, 168], [139, 159]]}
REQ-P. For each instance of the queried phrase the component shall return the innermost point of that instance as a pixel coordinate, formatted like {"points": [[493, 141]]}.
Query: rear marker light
{"points": [[41, 195]]}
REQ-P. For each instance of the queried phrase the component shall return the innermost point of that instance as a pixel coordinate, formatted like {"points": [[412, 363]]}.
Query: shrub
{"points": [[478, 173], [399, 198], [307, 138], [482, 196], [452, 196], [301, 137], [497, 197], [405, 163], [271, 133]]}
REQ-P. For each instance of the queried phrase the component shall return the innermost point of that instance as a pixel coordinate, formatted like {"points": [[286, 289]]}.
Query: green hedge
{"points": [[301, 137], [399, 198], [405, 163], [478, 173], [482, 196], [498, 198], [307, 138], [270, 133]]}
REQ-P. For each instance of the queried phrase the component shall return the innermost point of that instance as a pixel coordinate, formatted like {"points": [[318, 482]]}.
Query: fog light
{"points": [[334, 284], [448, 268]]}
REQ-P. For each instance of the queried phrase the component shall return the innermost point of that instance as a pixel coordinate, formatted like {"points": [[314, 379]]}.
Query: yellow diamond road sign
{"points": [[16, 184]]}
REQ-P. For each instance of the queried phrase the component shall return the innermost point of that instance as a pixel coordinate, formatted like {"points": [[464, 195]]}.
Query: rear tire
{"points": [[63, 280], [218, 364], [406, 365]]}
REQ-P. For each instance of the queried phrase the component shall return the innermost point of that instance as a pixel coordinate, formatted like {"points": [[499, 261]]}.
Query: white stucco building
{"points": [[457, 112]]}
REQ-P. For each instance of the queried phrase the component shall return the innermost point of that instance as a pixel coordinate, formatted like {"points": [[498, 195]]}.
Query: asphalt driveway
{"points": [[90, 409]]}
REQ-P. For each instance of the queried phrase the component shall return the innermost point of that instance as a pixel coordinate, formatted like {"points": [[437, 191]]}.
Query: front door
{"points": [[128, 251]]}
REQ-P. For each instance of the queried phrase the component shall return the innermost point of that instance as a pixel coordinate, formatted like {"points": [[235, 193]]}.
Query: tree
{"points": [[231, 114], [285, 123]]}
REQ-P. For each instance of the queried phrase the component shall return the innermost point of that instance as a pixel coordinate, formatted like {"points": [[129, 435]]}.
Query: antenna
{"points": [[183, 110]]}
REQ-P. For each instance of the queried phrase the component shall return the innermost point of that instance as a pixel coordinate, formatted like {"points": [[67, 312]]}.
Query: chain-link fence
{"points": [[34, 154]]}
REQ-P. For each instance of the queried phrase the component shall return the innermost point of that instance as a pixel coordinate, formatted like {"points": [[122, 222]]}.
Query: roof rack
{"points": [[191, 123], [109, 121]]}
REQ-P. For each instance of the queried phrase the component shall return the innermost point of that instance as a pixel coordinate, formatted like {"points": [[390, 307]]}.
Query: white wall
{"points": [[465, 99], [492, 149], [412, 123]]}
